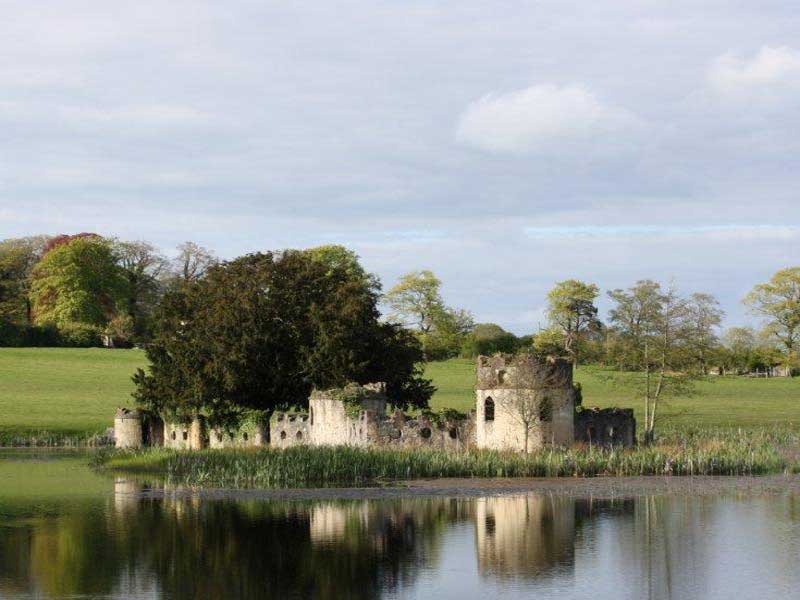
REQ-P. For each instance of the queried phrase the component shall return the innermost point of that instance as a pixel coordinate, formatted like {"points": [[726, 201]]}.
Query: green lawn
{"points": [[64, 391], [724, 401], [74, 392]]}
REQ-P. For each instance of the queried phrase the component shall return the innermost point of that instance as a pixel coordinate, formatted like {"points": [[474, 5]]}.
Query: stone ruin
{"points": [[522, 403], [605, 427]]}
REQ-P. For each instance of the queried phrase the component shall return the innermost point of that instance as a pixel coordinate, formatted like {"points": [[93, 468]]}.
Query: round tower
{"points": [[128, 431], [523, 402]]}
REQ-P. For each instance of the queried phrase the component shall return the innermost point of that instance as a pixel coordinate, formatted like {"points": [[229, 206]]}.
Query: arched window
{"points": [[283, 435], [425, 433], [299, 435], [185, 435], [488, 409], [244, 436], [173, 435]]}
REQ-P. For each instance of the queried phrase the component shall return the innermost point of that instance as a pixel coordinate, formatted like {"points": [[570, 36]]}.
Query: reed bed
{"points": [[721, 452]]}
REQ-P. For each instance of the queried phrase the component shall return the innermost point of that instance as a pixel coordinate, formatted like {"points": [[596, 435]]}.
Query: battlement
{"points": [[522, 371]]}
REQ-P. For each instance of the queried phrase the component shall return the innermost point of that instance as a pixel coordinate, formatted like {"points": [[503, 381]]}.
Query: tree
{"points": [[487, 339], [656, 326], [704, 316], [571, 309], [415, 301], [633, 313], [450, 329], [261, 331], [192, 262], [778, 301], [17, 258], [77, 282], [142, 266]]}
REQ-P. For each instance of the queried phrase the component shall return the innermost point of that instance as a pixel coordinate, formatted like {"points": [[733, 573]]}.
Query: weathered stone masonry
{"points": [[522, 403]]}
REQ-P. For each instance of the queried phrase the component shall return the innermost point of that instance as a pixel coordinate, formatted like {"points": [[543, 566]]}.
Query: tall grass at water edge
{"points": [[722, 452]]}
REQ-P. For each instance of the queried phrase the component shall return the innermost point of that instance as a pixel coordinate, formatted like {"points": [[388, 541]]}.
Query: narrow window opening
{"points": [[488, 410], [283, 435], [425, 433], [185, 435], [453, 433], [299, 435]]}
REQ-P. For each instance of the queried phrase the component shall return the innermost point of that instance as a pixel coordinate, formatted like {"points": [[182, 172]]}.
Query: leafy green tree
{"points": [[778, 301], [18, 256], [487, 339], [571, 310], [261, 331], [704, 317], [77, 282], [657, 327], [416, 301]]}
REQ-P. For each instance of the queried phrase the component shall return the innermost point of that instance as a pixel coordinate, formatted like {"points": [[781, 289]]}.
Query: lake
{"points": [[69, 532]]}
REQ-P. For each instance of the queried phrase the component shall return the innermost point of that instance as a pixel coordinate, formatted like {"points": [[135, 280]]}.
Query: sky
{"points": [[503, 145]]}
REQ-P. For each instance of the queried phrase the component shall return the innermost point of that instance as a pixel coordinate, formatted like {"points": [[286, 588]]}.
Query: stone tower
{"points": [[128, 432], [523, 402]]}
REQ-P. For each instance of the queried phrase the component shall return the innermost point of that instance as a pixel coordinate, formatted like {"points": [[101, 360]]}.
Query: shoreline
{"points": [[593, 487]]}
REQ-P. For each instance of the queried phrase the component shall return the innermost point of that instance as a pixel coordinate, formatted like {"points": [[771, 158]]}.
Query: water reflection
{"points": [[122, 544]]}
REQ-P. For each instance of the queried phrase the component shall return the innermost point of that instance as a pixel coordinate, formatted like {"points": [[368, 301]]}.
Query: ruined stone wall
{"points": [[287, 429], [246, 436], [523, 396], [606, 427], [128, 432], [186, 436]]}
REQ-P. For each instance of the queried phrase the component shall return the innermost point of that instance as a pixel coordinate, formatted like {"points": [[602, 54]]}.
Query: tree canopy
{"points": [[78, 281], [778, 301], [261, 331]]}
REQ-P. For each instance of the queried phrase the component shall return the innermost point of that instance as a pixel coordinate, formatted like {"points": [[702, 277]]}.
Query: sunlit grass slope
{"points": [[718, 401], [63, 391]]}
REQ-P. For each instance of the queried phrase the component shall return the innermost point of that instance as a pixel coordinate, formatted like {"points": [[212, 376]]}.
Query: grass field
{"points": [[74, 392], [718, 401], [63, 391]]}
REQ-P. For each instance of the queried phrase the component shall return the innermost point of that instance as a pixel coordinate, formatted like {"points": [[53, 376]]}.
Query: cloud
{"points": [[772, 68], [540, 117]]}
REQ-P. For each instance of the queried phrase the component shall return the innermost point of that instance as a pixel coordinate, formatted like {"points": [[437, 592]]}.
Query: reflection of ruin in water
{"points": [[170, 543]]}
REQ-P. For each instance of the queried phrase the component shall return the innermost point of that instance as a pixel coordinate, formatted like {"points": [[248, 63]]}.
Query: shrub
{"points": [[79, 335]]}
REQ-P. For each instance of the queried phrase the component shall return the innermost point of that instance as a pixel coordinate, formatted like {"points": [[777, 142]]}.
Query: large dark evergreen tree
{"points": [[260, 331]]}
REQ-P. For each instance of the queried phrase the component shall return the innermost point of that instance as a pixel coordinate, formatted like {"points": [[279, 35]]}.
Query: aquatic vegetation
{"points": [[709, 452]]}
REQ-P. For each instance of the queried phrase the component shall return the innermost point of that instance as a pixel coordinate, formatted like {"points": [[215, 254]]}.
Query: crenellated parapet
{"points": [[510, 371]]}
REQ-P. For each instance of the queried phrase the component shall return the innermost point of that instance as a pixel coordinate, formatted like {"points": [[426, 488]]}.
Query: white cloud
{"points": [[537, 117], [772, 67]]}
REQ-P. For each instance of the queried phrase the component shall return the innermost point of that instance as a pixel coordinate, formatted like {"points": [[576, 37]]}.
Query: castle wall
{"points": [[289, 430], [185, 436], [606, 427], [247, 436]]}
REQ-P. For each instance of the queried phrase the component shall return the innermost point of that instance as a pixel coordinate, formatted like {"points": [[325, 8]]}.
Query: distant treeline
{"points": [[80, 290], [76, 290]]}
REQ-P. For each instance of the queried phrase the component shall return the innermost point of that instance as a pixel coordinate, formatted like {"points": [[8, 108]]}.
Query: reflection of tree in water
{"points": [[226, 549]]}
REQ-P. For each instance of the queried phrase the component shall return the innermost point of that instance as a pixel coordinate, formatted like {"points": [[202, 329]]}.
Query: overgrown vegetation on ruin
{"points": [[701, 452]]}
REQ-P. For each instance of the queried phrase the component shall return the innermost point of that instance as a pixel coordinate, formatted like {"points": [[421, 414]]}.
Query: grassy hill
{"points": [[74, 392]]}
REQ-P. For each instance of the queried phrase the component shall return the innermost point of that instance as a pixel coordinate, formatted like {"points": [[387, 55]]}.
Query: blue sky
{"points": [[504, 145]]}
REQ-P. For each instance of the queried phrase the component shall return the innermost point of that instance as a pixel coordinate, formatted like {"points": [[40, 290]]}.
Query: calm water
{"points": [[67, 532]]}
